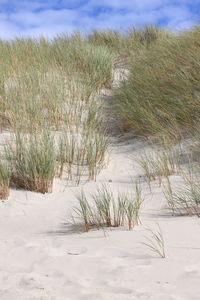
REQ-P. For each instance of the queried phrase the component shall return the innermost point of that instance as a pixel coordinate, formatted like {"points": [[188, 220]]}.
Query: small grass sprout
{"points": [[156, 242]]}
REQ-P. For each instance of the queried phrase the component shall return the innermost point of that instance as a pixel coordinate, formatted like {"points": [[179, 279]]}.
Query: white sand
{"points": [[43, 256]]}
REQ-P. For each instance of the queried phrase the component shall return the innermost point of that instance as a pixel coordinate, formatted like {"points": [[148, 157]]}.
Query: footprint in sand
{"points": [[76, 251]]}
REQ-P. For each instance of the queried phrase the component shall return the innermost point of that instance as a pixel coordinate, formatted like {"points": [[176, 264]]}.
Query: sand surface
{"points": [[43, 256]]}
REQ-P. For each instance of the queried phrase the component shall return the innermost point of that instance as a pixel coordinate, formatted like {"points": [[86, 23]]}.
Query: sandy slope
{"points": [[43, 256]]}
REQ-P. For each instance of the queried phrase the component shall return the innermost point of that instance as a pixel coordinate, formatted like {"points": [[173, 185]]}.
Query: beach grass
{"points": [[4, 179], [32, 160], [162, 92], [155, 242], [56, 83], [104, 208]]}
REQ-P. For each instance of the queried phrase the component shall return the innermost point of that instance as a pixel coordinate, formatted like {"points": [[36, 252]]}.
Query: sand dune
{"points": [[43, 255]]}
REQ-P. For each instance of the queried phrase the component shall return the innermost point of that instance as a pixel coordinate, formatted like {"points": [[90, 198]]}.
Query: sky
{"points": [[50, 18]]}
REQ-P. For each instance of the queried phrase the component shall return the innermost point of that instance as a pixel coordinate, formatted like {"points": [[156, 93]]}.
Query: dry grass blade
{"points": [[156, 242]]}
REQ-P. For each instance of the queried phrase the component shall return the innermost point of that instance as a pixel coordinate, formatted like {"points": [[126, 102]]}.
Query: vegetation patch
{"points": [[104, 209]]}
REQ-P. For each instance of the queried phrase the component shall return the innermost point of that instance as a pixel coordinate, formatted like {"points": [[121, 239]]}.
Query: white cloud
{"points": [[126, 4], [44, 17], [53, 17]]}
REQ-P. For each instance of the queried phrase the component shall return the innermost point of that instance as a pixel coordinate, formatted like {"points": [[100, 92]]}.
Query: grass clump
{"points": [[82, 154], [159, 164], [32, 161], [92, 62], [4, 180], [40, 80], [137, 40], [85, 212], [104, 209], [162, 92], [145, 36], [184, 200], [111, 39], [128, 43]]}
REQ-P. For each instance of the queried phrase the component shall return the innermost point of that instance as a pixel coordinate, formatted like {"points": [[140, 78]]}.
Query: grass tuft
{"points": [[32, 161], [184, 200], [4, 180], [156, 242], [160, 164], [162, 91], [104, 209]]}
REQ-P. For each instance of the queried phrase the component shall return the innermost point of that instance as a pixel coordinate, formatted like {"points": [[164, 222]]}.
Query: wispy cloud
{"points": [[48, 18]]}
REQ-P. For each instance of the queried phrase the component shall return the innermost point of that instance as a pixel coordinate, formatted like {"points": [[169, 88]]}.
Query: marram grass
{"points": [[4, 179], [184, 200], [105, 209], [32, 161], [82, 153], [54, 83], [162, 92]]}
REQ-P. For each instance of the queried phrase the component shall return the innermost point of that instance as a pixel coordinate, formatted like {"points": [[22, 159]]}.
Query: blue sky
{"points": [[49, 18]]}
